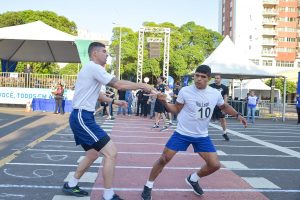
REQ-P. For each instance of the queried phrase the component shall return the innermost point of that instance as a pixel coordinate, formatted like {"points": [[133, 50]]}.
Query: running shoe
{"points": [[164, 128], [115, 197], [194, 185], [225, 136], [75, 191], [146, 194], [155, 126]]}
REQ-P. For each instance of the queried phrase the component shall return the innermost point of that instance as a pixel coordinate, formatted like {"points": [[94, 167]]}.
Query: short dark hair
{"points": [[204, 69], [94, 45], [162, 78]]}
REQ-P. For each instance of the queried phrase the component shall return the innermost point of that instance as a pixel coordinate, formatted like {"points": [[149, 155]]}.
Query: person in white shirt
{"points": [[194, 105], [252, 101], [87, 133]]}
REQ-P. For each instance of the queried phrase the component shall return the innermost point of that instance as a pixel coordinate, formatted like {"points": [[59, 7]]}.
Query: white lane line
{"points": [[260, 182], [88, 177], [252, 139], [277, 136], [154, 189], [233, 165], [221, 153], [97, 161], [159, 153], [64, 197], [280, 141], [150, 167]]}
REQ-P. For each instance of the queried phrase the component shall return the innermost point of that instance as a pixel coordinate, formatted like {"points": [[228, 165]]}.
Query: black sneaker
{"points": [[146, 194], [195, 185], [155, 126], [225, 136], [115, 197], [75, 191]]}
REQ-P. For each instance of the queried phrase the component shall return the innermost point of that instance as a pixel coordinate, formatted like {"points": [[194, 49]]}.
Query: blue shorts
{"points": [[178, 142], [84, 127]]}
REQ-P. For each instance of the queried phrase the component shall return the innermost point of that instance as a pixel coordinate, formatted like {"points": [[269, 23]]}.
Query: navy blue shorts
{"points": [[178, 142], [85, 129]]}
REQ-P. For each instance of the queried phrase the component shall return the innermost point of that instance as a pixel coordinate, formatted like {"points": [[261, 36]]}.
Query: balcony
{"points": [[270, 12], [270, 52], [269, 43], [270, 2], [271, 32], [270, 22]]}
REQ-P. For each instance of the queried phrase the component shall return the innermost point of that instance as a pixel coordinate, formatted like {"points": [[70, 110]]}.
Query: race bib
{"points": [[203, 113]]}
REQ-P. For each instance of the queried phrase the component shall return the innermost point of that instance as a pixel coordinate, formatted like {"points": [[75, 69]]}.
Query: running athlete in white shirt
{"points": [[194, 105], [87, 133]]}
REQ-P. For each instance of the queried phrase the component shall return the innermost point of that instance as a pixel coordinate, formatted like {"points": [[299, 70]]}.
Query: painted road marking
{"points": [[260, 183], [88, 177], [261, 142], [97, 161], [221, 153], [30, 145], [150, 167], [159, 153], [14, 121], [233, 165], [64, 197], [154, 189]]}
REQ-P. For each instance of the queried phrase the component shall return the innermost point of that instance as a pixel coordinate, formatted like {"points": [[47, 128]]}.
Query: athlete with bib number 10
{"points": [[194, 107]]}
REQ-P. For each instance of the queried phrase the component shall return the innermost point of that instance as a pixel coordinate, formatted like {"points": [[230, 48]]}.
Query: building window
{"points": [[284, 64], [267, 63]]}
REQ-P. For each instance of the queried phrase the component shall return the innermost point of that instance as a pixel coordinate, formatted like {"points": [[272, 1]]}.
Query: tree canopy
{"points": [[48, 17], [279, 84], [190, 44]]}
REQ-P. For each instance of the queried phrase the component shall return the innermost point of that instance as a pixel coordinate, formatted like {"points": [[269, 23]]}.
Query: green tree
{"points": [[279, 84], [70, 69], [190, 44], [48, 17]]}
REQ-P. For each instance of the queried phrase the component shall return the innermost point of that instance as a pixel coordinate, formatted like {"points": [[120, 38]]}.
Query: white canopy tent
{"points": [[39, 42], [231, 63], [259, 87]]}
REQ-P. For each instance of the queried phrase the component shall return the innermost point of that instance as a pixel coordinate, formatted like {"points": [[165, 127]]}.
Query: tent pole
{"points": [[284, 99], [241, 89], [232, 89]]}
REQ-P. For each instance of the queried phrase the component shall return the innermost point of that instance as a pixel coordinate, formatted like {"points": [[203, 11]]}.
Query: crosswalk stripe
{"points": [[64, 197], [97, 161], [260, 183], [88, 177], [233, 165]]}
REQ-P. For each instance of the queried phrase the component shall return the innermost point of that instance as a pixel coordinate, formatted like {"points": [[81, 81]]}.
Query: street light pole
{"points": [[120, 45]]}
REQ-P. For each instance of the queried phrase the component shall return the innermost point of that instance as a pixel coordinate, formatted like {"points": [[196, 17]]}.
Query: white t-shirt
{"points": [[88, 84], [252, 100], [193, 119]]}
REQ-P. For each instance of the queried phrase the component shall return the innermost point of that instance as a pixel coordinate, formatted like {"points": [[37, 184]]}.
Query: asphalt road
{"points": [[37, 154]]}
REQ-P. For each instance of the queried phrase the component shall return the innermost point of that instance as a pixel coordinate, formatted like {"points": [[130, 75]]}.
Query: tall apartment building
{"points": [[266, 30]]}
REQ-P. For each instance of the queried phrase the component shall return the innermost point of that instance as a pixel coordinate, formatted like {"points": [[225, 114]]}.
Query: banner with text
{"points": [[10, 95]]}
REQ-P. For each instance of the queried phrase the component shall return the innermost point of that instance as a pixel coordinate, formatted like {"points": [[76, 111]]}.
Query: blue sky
{"points": [[98, 16]]}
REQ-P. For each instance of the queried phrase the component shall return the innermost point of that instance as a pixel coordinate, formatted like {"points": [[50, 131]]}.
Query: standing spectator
{"points": [[251, 106], [111, 93], [218, 114], [169, 98], [121, 94], [298, 107], [129, 100], [145, 99], [59, 96], [159, 108], [151, 102], [27, 72], [139, 96]]}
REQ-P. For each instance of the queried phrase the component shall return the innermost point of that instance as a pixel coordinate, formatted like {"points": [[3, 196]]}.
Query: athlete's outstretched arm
{"points": [[173, 108], [228, 109]]}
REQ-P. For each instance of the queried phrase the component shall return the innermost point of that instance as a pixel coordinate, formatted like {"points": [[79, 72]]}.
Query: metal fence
{"points": [[265, 109], [32, 80]]}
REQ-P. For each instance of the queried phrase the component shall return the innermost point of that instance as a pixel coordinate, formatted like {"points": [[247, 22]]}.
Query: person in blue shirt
{"points": [[298, 107]]}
